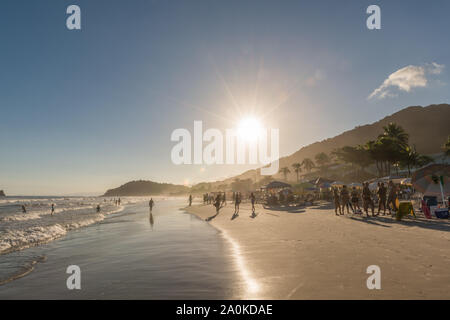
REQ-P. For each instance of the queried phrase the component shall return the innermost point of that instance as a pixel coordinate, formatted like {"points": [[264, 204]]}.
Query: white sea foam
{"points": [[20, 230]]}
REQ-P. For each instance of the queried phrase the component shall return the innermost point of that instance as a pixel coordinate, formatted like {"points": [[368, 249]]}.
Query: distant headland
{"points": [[146, 188]]}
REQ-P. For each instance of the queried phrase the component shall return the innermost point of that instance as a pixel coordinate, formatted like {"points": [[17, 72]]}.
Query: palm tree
{"points": [[308, 164], [297, 168], [357, 157], [322, 160], [396, 133], [412, 159], [285, 171], [376, 152]]}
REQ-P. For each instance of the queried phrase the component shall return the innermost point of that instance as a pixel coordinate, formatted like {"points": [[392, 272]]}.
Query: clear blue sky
{"points": [[83, 111]]}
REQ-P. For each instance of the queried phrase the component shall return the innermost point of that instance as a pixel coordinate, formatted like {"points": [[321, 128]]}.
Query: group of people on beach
{"points": [[219, 201], [350, 199]]}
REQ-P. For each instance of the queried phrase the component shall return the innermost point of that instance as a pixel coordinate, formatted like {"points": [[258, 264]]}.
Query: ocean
{"points": [[123, 252]]}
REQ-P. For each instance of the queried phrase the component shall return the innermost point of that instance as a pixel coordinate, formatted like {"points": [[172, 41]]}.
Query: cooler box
{"points": [[441, 213]]}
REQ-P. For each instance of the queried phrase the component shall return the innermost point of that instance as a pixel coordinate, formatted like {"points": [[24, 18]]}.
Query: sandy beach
{"points": [[309, 253]]}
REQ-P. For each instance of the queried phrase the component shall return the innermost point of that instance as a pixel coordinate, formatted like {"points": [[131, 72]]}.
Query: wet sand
{"points": [[310, 253], [131, 254]]}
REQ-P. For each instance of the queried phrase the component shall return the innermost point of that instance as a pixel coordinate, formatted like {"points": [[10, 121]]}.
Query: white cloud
{"points": [[406, 79]]}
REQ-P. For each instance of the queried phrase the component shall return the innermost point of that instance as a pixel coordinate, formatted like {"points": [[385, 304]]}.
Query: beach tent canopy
{"points": [[304, 185], [426, 180], [321, 181], [325, 185], [337, 183], [406, 182], [277, 185]]}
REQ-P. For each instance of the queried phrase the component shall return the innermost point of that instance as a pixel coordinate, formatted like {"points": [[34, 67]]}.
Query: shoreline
{"points": [[309, 253]]}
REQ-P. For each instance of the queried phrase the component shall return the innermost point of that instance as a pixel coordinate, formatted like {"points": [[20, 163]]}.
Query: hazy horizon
{"points": [[85, 111]]}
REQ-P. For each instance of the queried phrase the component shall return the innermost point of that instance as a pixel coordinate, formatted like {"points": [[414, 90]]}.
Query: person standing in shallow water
{"points": [[24, 210], [151, 204], [190, 200], [98, 208], [53, 208]]}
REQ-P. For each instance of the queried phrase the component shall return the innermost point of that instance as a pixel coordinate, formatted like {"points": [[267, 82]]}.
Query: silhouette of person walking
{"points": [[151, 203], [253, 199], [237, 202]]}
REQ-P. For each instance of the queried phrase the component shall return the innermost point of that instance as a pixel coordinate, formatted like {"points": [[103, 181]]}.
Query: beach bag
{"points": [[404, 209]]}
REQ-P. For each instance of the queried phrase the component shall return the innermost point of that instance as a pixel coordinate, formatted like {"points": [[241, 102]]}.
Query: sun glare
{"points": [[249, 129]]}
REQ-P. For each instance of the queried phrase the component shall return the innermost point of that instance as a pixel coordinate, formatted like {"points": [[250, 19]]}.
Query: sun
{"points": [[249, 129]]}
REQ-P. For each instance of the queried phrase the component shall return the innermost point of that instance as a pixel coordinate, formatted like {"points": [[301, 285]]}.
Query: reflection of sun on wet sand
{"points": [[309, 253]]}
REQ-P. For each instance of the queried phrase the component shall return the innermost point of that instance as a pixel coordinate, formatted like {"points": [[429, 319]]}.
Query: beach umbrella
{"points": [[355, 184], [325, 185], [432, 180], [337, 184]]}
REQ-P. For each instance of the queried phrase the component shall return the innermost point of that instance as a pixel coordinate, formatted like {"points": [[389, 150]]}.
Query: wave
{"points": [[20, 231], [22, 271]]}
